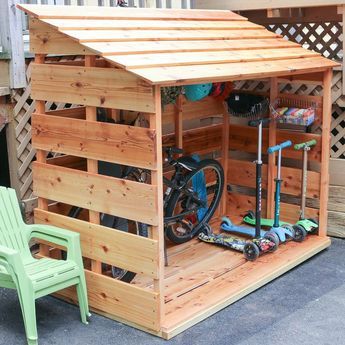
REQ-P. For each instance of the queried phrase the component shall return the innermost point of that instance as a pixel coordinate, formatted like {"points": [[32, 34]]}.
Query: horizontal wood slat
{"points": [[148, 47], [120, 299], [242, 173], [114, 247], [242, 138], [96, 12], [73, 113], [123, 198], [91, 86], [239, 204], [108, 142], [164, 35], [201, 58], [194, 74], [102, 24]]}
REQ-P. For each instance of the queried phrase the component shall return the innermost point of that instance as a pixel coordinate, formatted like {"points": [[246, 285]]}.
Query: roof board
{"points": [[170, 47]]}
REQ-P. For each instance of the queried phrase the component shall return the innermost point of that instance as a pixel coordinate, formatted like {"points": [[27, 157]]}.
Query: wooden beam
{"points": [[225, 155], [272, 137], [179, 122], [157, 180], [325, 153], [11, 38]]}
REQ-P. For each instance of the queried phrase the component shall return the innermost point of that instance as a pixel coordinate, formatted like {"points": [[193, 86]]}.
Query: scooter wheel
{"points": [[300, 233], [251, 251], [291, 229], [250, 214], [273, 237]]}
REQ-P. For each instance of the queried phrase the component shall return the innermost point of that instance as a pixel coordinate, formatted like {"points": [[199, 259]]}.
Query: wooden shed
{"points": [[128, 55]]}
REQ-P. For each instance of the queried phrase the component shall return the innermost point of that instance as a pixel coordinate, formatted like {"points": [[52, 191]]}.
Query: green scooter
{"points": [[308, 224]]}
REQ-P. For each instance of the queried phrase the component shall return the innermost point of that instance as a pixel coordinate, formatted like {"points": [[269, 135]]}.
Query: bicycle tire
{"points": [[175, 195]]}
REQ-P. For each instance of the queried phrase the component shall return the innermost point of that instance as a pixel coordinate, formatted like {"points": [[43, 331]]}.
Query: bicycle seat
{"points": [[188, 163]]}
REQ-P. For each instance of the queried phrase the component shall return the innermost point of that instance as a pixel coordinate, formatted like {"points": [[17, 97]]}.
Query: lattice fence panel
{"points": [[338, 113], [324, 38], [20, 134]]}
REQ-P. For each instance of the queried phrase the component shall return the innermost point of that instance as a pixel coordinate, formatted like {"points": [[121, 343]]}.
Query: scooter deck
{"points": [[265, 222]]}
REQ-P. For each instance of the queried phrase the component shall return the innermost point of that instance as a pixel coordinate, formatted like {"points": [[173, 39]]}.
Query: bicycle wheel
{"points": [[181, 202]]}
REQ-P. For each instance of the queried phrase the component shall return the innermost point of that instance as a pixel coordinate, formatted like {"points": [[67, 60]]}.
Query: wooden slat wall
{"points": [[113, 247], [91, 86], [109, 142], [119, 299], [123, 198]]}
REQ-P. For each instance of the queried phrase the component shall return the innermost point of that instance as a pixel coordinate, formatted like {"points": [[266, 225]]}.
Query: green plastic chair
{"points": [[31, 277]]}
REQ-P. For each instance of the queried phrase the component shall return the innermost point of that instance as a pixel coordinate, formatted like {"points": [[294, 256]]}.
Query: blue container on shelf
{"points": [[197, 92]]}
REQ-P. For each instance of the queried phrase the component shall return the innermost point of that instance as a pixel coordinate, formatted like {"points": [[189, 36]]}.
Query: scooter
{"points": [[256, 233], [285, 231], [310, 225], [250, 249]]}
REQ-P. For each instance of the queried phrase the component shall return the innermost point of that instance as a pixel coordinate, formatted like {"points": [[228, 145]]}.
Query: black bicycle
{"points": [[191, 197]]}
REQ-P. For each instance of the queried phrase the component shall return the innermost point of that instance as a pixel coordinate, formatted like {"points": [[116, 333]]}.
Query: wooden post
{"points": [[92, 165], [157, 179], [11, 38], [272, 134], [179, 123], [325, 150], [41, 156], [225, 155]]}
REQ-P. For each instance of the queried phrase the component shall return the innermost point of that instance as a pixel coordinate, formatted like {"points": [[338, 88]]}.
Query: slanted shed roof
{"points": [[167, 47]]}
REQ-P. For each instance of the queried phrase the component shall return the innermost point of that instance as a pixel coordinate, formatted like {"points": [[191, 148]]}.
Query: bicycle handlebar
{"points": [[281, 146], [309, 143], [254, 123]]}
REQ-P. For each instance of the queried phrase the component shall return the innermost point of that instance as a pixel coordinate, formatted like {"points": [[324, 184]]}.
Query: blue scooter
{"points": [[256, 233]]}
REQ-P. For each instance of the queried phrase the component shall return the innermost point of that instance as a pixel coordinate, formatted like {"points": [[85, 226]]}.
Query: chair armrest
{"points": [[13, 259], [59, 236]]}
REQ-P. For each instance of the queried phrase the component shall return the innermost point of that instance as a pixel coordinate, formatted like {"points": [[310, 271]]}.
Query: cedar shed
{"points": [[128, 55]]}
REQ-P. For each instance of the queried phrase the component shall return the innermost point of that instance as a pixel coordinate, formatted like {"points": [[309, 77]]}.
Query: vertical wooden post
{"points": [[225, 155], [179, 123], [92, 165], [11, 38], [325, 149], [41, 156], [272, 134], [157, 179]]}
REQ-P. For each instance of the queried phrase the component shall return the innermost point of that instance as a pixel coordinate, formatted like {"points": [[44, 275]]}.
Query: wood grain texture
{"points": [[109, 142], [110, 246], [91, 86], [148, 47], [95, 12], [123, 198], [73, 113], [119, 299], [242, 173]]}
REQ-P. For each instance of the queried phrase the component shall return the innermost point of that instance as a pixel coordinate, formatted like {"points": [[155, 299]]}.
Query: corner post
{"points": [[272, 136], [325, 149], [92, 165], [157, 179], [225, 155]]}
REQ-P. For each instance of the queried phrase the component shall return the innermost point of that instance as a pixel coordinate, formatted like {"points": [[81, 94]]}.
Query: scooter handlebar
{"points": [[309, 143], [281, 146], [255, 123]]}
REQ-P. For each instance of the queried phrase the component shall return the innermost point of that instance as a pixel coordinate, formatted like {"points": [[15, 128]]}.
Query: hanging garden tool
{"points": [[308, 224]]}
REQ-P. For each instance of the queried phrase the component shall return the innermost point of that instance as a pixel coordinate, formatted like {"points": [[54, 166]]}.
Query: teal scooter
{"points": [[310, 225], [283, 230]]}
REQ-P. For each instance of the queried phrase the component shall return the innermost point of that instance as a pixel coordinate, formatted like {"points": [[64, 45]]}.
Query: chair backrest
{"points": [[11, 222]]}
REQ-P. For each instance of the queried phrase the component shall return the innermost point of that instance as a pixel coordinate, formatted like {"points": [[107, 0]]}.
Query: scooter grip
{"points": [[255, 123], [281, 146], [309, 143]]}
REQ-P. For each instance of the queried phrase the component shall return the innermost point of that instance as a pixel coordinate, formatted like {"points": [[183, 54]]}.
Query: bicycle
{"points": [[188, 204]]}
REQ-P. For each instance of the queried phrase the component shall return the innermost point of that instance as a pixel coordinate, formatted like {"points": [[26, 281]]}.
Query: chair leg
{"points": [[83, 301], [27, 303]]}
